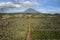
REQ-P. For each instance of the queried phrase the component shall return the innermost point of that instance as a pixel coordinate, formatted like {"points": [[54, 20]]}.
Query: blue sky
{"points": [[44, 6]]}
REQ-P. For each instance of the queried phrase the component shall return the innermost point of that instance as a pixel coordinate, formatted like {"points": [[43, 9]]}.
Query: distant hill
{"points": [[30, 10]]}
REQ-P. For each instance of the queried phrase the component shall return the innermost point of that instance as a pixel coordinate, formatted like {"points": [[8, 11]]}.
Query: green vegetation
{"points": [[1, 16], [46, 28], [43, 26], [45, 34]]}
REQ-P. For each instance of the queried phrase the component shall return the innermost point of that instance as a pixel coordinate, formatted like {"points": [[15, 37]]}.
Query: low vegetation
{"points": [[43, 26], [45, 34]]}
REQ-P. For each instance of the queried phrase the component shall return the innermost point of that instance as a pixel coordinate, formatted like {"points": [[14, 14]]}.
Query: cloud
{"points": [[29, 3], [50, 10], [9, 4], [16, 5]]}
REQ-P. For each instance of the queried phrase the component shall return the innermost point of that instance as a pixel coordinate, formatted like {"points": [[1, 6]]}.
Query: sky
{"points": [[44, 6]]}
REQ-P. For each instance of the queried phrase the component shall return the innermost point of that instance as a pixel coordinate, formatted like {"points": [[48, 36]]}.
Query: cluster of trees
{"points": [[0, 16]]}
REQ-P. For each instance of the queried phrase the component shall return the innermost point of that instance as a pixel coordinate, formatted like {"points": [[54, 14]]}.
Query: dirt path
{"points": [[28, 33]]}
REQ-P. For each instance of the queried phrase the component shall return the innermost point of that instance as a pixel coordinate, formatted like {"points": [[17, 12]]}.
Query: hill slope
{"points": [[30, 10]]}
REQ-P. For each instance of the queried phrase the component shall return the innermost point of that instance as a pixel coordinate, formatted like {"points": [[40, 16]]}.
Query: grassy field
{"points": [[43, 27], [45, 34]]}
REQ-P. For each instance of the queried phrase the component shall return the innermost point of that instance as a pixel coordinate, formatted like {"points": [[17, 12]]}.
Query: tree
{"points": [[0, 16]]}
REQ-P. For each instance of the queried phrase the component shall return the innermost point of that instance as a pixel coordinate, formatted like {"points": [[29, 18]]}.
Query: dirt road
{"points": [[29, 31]]}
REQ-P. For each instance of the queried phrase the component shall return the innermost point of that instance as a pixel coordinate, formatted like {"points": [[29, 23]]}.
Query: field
{"points": [[42, 27]]}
